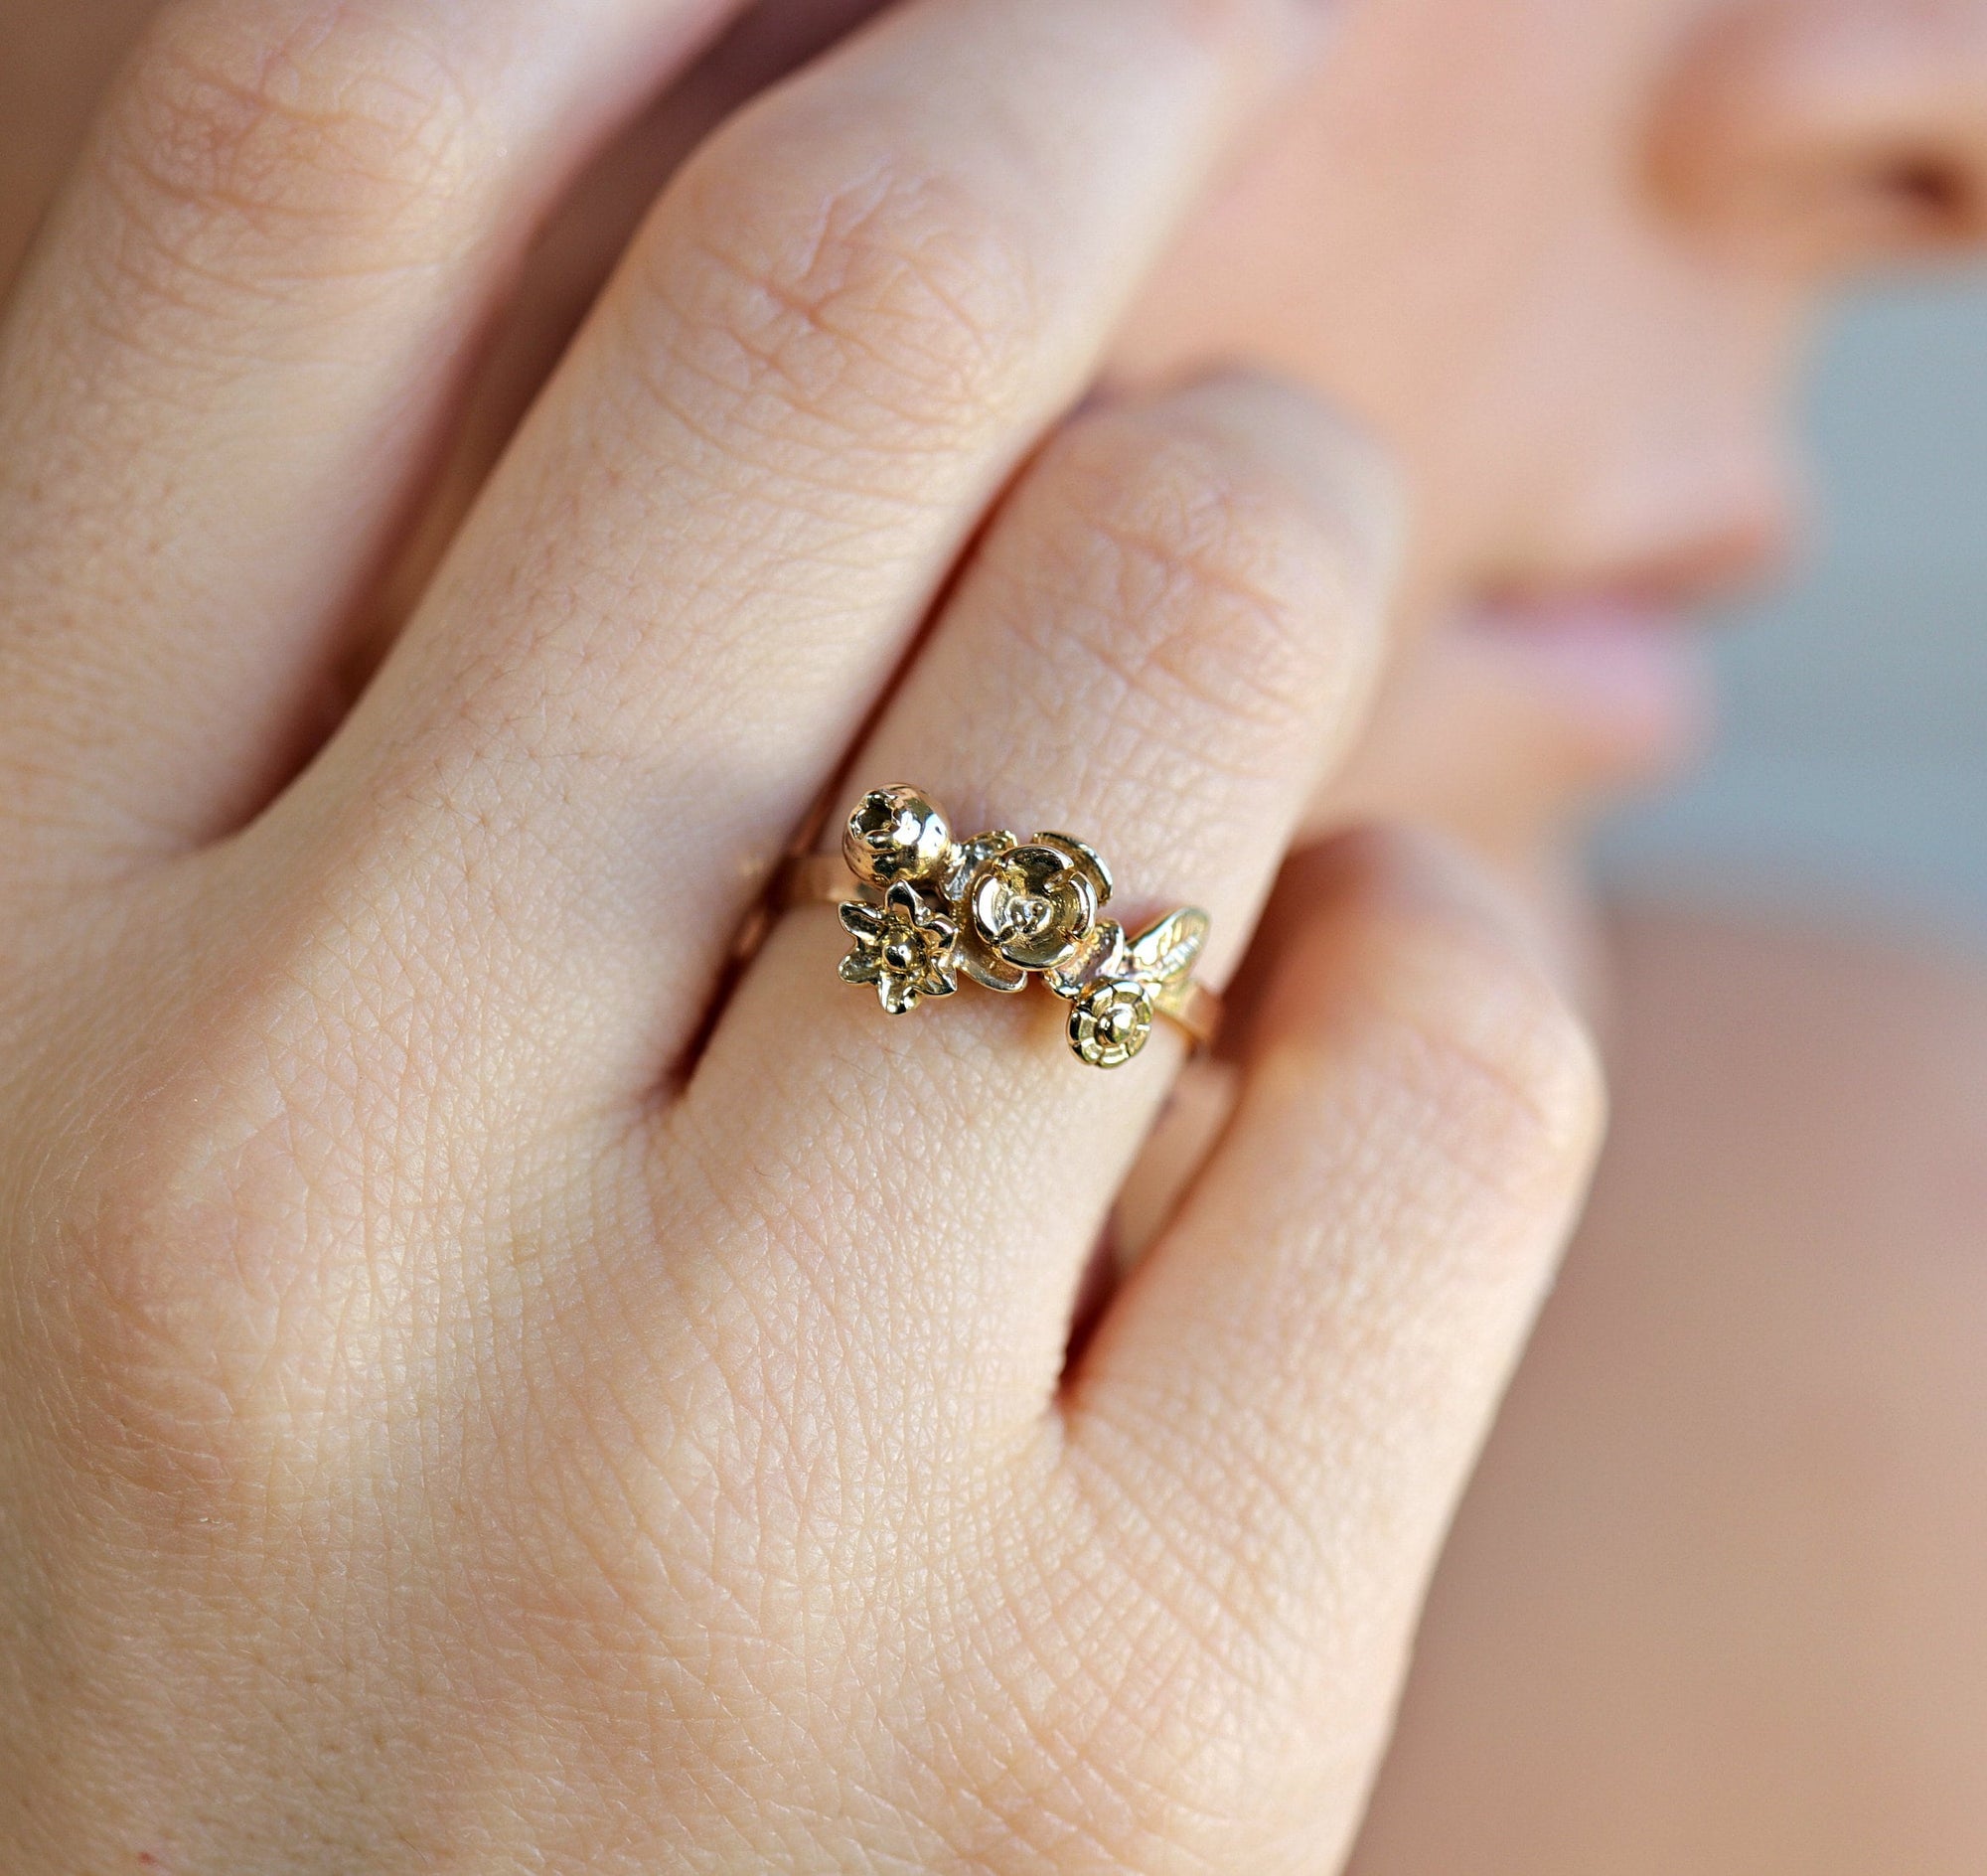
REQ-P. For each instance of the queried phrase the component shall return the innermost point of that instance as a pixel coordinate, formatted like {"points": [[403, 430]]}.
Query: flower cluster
{"points": [[999, 910]]}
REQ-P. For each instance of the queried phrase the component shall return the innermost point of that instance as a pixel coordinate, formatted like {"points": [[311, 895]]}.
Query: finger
{"points": [[1164, 638], [1301, 1371], [227, 365], [846, 321], [58, 64]]}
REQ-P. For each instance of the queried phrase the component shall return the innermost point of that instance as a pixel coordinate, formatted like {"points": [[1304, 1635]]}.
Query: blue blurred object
{"points": [[1851, 767]]}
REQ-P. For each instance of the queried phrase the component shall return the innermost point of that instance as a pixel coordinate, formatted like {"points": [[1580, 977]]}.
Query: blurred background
{"points": [[1850, 766]]}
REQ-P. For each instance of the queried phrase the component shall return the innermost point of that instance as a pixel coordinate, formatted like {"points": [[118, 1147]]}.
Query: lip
{"points": [[1623, 673]]}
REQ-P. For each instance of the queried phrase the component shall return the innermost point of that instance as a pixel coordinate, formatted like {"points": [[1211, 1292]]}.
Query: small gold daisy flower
{"points": [[1112, 1021], [903, 947]]}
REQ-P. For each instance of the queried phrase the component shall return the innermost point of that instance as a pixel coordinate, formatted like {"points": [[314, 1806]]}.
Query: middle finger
{"points": [[1169, 631]]}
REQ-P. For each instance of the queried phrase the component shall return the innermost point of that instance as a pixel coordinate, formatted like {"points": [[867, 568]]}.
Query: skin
{"points": [[518, 1431]]}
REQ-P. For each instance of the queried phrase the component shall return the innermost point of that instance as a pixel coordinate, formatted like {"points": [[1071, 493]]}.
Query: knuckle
{"points": [[345, 145], [1502, 1072], [1124, 1741], [1200, 574], [153, 1334], [840, 294], [206, 1229]]}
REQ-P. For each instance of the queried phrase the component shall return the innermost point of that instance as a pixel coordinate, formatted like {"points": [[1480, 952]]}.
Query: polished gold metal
{"points": [[930, 909], [902, 947]]}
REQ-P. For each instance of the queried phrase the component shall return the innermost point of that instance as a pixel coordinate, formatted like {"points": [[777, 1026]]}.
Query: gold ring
{"points": [[927, 909]]}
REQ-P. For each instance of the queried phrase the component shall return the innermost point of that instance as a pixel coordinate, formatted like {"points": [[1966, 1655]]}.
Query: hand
{"points": [[468, 1403]]}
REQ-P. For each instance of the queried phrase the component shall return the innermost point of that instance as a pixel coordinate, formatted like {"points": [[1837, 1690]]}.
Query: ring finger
{"points": [[1167, 636]]}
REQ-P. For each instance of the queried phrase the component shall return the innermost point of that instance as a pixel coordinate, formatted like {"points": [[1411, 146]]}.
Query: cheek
{"points": [[1325, 287], [1282, 270], [1450, 185], [1381, 233]]}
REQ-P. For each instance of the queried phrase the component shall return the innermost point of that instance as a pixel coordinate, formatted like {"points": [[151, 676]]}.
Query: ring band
{"points": [[924, 909]]}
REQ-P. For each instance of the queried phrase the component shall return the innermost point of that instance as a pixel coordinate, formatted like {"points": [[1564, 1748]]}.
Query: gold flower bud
{"points": [[896, 834]]}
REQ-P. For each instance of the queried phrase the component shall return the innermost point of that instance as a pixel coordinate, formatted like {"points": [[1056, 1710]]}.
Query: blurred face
{"points": [[1559, 253]]}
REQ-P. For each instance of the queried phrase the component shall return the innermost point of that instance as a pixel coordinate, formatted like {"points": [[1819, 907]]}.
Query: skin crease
{"points": [[451, 1420], [1602, 253]]}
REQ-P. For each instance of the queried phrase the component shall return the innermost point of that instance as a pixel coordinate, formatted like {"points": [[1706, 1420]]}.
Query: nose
{"points": [[1834, 134]]}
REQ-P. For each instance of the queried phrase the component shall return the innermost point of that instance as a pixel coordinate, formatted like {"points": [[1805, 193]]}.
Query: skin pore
{"points": [[1558, 255]]}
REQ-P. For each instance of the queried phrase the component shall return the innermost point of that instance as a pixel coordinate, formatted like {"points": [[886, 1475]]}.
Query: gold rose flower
{"points": [[1032, 908], [903, 947]]}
